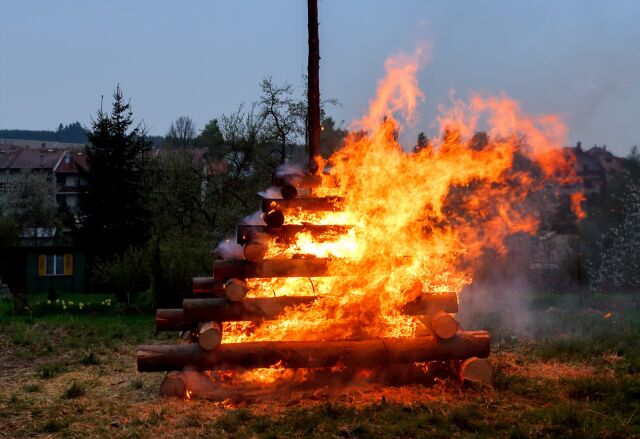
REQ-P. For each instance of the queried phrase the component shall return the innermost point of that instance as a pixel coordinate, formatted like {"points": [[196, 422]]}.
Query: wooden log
{"points": [[302, 180], [476, 371], [312, 354], [303, 267], [255, 250], [273, 217], [187, 336], [254, 309], [209, 335], [427, 303], [207, 285], [288, 192], [443, 325], [313, 85], [287, 233], [257, 309], [170, 320], [235, 289], [174, 385], [313, 204]]}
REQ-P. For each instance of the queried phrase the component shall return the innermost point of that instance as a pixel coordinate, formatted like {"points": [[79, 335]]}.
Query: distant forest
{"points": [[71, 133]]}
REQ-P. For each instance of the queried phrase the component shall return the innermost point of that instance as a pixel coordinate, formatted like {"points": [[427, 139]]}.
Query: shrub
{"points": [[127, 274]]}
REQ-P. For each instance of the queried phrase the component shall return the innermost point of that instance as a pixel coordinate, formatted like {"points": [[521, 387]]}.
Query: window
{"points": [[55, 265]]}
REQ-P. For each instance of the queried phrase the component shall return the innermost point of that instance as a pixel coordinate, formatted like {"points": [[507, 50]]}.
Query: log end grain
{"points": [[174, 385], [476, 371], [210, 335]]}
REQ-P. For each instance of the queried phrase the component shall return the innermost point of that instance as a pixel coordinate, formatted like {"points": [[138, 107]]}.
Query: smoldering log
{"points": [[252, 309], [311, 204], [207, 285], [313, 354], [251, 233], [303, 267]]}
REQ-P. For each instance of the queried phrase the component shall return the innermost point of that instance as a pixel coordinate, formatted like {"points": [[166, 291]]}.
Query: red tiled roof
{"points": [[70, 163], [36, 158]]}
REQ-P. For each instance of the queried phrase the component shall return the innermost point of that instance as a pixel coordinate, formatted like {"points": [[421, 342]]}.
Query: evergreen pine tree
{"points": [[113, 200]]}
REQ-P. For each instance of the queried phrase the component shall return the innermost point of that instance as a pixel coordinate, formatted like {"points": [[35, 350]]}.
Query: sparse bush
{"points": [[75, 390], [47, 371], [126, 274]]}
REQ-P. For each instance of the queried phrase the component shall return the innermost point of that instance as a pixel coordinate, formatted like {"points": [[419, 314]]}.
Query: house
{"points": [[68, 179], [60, 164], [44, 259]]}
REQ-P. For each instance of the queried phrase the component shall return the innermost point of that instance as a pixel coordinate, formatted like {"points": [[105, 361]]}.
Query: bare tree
{"points": [[283, 114], [182, 133]]}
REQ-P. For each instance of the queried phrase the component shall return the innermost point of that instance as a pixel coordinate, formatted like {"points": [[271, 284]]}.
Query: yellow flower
{"points": [[48, 302], [64, 307]]}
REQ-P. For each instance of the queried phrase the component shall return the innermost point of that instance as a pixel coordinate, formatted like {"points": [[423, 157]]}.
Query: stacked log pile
{"points": [[223, 298]]}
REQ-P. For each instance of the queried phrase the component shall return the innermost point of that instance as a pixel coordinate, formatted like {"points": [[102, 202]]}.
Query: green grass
{"points": [[75, 377]]}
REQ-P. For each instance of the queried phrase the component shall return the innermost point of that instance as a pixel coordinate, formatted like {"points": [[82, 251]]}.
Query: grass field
{"points": [[574, 374]]}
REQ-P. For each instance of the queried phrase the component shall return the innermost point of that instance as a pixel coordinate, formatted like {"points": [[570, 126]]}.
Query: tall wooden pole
{"points": [[313, 73]]}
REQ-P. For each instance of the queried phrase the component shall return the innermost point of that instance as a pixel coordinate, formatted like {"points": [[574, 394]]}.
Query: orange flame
{"points": [[419, 218]]}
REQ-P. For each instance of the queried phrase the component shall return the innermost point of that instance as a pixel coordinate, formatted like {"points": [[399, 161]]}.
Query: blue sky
{"points": [[577, 58]]}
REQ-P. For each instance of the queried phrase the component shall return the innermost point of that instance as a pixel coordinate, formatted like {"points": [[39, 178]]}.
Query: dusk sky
{"points": [[579, 59]]}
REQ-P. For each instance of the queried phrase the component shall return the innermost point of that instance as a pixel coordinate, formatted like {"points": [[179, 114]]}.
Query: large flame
{"points": [[421, 219]]}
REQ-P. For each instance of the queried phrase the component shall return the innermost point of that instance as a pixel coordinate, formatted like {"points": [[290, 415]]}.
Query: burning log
{"points": [[235, 289], [207, 285], [443, 325], [174, 385], [305, 203], [251, 233], [273, 217], [210, 335], [428, 303], [312, 354], [254, 309], [255, 251], [257, 309], [288, 192], [303, 267]]}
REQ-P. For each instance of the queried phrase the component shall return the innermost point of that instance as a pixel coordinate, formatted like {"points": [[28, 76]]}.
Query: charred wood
{"points": [[208, 285], [270, 268], [251, 233], [304, 203]]}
